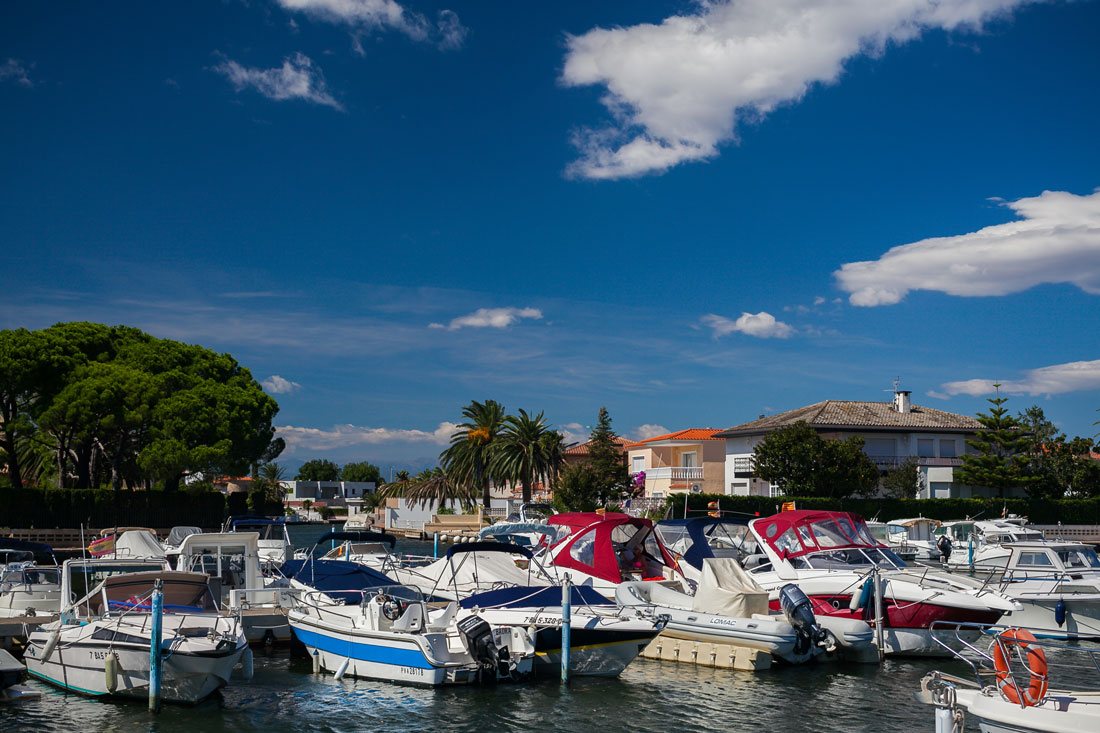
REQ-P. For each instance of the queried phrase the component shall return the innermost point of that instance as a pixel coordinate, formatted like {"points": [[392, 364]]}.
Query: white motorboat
{"points": [[604, 638], [920, 538], [232, 562], [730, 608], [175, 538], [101, 644], [392, 635], [30, 579], [1058, 586], [983, 548], [893, 536], [832, 557], [369, 548], [1013, 688]]}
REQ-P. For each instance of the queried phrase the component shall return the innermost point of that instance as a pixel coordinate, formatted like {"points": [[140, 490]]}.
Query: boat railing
{"points": [[1062, 660]]}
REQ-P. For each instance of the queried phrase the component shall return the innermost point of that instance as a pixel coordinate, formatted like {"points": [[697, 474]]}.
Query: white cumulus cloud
{"points": [[650, 430], [761, 325], [678, 89], [343, 436], [490, 318], [279, 385], [297, 78], [447, 31], [1075, 376], [1056, 240]]}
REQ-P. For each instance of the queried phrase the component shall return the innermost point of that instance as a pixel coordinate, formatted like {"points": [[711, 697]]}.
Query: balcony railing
{"points": [[887, 462], [676, 473]]}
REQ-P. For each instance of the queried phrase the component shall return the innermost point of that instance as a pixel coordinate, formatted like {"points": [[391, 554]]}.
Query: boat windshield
{"points": [[84, 577], [31, 575], [850, 558], [1079, 558]]}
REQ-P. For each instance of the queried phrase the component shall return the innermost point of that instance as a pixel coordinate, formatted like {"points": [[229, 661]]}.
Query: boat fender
{"points": [[51, 644], [343, 668], [860, 600], [316, 662], [248, 666], [1060, 612], [110, 671]]}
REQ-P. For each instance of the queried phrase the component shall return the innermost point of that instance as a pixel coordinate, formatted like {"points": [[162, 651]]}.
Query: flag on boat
{"points": [[601, 511], [788, 506], [102, 546], [714, 510]]}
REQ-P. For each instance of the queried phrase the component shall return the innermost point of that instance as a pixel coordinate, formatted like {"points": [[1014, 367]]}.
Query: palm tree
{"points": [[469, 457], [527, 450], [433, 484], [270, 480]]}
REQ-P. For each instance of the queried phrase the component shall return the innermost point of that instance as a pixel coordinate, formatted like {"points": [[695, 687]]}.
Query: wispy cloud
{"points": [[16, 71], [279, 385], [344, 436], [1056, 240], [297, 79], [447, 32], [761, 325], [490, 318], [1074, 376], [678, 89]]}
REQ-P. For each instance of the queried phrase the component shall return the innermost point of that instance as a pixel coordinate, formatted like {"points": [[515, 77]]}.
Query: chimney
{"points": [[901, 401]]}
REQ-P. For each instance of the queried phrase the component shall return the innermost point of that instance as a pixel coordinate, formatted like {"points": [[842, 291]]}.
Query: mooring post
{"points": [[566, 627], [154, 646], [880, 616], [970, 552], [435, 549]]}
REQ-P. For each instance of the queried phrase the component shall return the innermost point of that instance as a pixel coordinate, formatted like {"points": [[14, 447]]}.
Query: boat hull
{"points": [[1066, 712], [186, 678], [1082, 617]]}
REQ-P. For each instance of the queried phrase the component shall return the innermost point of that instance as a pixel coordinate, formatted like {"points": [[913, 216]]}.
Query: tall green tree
{"points": [[802, 463], [318, 469], [902, 481], [606, 457], [361, 471], [1002, 451], [527, 451], [432, 485], [469, 457]]}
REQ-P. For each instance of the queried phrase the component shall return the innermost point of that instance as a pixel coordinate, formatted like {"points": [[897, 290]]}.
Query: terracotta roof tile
{"points": [[690, 434], [851, 414], [581, 449]]}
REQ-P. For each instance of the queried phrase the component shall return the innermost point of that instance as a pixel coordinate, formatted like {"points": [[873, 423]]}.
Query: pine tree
{"points": [[1002, 460], [605, 456]]}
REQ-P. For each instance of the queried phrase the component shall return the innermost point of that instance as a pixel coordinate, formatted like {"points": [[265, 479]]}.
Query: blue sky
{"points": [[687, 212]]}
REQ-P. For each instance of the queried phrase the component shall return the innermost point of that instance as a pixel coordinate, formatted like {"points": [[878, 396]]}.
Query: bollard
{"points": [[316, 662], [154, 646], [880, 616], [566, 627], [970, 552], [435, 549]]}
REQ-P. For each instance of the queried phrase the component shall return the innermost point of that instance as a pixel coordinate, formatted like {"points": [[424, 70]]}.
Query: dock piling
{"points": [[566, 627], [157, 612]]}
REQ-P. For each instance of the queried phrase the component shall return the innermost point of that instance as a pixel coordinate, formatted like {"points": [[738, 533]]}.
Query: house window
{"points": [[637, 464], [926, 448], [947, 449], [774, 490], [687, 460]]}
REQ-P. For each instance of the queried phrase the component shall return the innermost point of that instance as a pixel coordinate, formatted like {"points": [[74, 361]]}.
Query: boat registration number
{"points": [[543, 620], [412, 671]]}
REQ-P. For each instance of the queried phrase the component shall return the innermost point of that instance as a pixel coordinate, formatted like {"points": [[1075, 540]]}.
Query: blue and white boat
{"points": [[392, 635]]}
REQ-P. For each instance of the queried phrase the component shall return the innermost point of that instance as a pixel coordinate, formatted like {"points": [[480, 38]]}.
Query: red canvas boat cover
{"points": [[591, 548], [792, 534]]}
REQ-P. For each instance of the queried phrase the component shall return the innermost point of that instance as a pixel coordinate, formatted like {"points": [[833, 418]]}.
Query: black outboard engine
{"points": [[800, 614], [493, 660]]}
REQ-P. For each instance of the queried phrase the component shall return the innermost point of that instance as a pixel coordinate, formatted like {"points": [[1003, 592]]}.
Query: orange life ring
{"points": [[1036, 666]]}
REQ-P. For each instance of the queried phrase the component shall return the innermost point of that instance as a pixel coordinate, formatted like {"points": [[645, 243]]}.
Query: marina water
{"points": [[658, 697]]}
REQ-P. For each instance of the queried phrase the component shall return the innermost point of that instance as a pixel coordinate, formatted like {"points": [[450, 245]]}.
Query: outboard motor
{"points": [[800, 614], [493, 660]]}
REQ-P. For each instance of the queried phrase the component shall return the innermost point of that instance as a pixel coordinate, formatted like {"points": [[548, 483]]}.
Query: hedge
{"points": [[1038, 511], [71, 508]]}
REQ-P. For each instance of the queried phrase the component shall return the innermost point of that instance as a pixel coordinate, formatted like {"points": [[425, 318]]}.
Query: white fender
{"points": [[110, 671], [51, 643], [343, 669], [247, 664]]}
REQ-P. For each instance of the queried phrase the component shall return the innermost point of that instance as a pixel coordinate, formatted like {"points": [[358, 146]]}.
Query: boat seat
{"points": [[444, 620], [410, 621]]}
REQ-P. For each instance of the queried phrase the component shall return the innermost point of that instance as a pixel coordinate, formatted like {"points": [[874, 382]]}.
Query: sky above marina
{"points": [[693, 213]]}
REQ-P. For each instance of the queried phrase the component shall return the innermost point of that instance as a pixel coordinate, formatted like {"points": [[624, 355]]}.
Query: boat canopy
{"points": [[364, 536], [178, 534], [600, 544], [801, 532], [511, 529], [12, 550], [183, 593], [523, 596], [138, 543], [700, 538], [335, 575], [508, 547]]}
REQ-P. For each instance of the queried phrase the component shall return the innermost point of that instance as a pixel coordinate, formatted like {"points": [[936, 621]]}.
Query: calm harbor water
{"points": [[284, 697]]}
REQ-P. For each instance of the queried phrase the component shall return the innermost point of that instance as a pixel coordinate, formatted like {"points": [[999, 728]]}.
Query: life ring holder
{"points": [[1036, 660]]}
